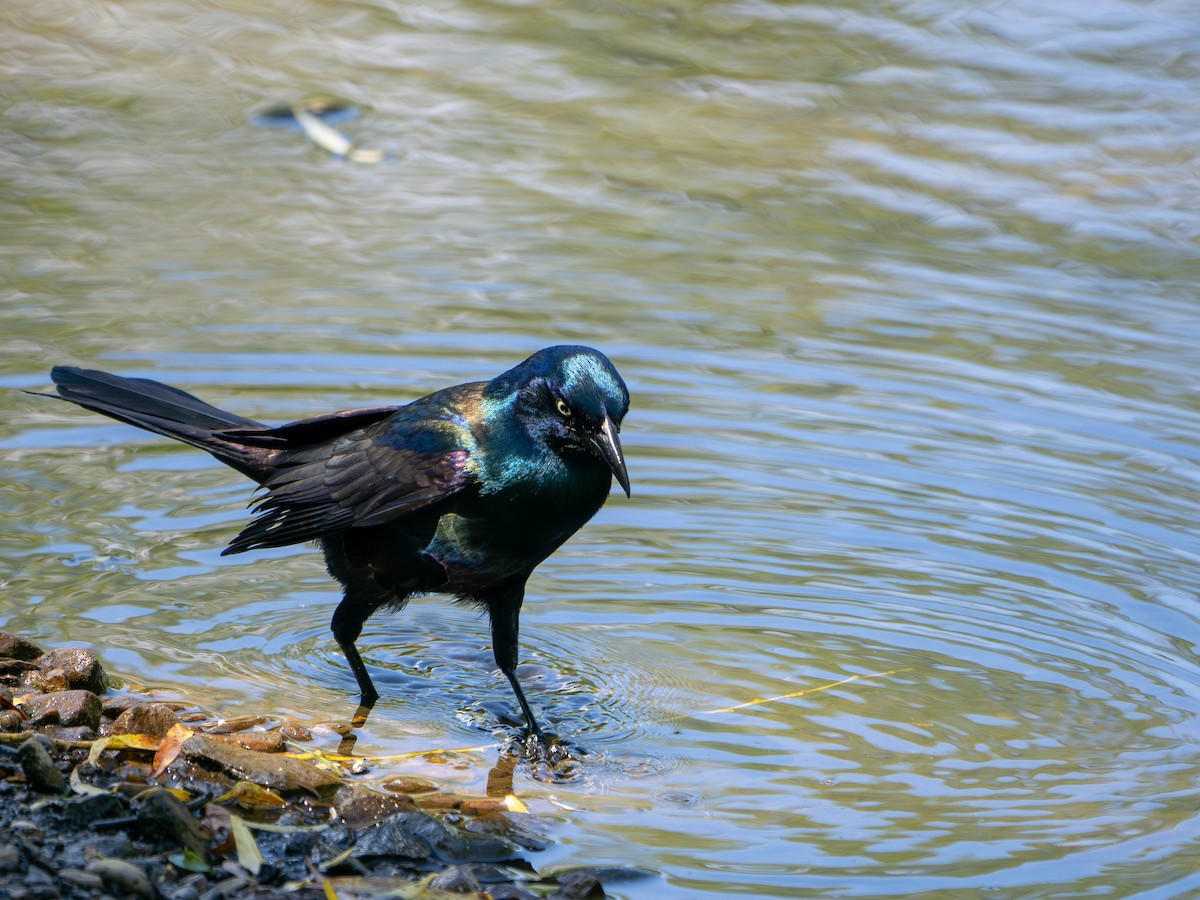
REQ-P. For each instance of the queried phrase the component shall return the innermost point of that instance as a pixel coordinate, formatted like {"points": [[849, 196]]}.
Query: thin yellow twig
{"points": [[338, 757], [823, 687]]}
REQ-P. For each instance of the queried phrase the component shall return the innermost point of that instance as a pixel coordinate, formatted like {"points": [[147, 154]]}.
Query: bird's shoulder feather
{"points": [[367, 468]]}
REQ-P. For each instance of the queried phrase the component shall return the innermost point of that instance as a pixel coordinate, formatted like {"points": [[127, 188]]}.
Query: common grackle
{"points": [[462, 492]]}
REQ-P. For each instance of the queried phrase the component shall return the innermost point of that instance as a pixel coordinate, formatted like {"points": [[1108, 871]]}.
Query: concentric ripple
{"points": [[905, 600]]}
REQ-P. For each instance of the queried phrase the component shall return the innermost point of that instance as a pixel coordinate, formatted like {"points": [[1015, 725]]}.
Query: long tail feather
{"points": [[164, 410]]}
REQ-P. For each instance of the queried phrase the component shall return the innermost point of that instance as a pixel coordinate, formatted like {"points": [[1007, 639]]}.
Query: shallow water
{"points": [[905, 294]]}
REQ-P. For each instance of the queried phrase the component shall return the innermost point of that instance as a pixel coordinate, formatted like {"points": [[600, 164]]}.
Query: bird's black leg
{"points": [[347, 625], [505, 610]]}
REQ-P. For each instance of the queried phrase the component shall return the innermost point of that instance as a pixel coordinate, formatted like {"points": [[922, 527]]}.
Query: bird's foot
{"points": [[556, 756]]}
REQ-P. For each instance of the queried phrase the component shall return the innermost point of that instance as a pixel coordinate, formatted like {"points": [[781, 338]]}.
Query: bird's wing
{"points": [[355, 478]]}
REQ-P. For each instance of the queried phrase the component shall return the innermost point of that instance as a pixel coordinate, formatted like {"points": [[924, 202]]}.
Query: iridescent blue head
{"points": [[571, 399]]}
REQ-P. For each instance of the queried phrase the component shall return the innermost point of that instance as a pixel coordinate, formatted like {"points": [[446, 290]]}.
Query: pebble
{"points": [[258, 742], [122, 878], [13, 646], [65, 708], [455, 880], [405, 785], [362, 808], [10, 720], [83, 811], [511, 892], [10, 858], [153, 719], [274, 771], [40, 770], [578, 886], [419, 836], [88, 881], [163, 819], [79, 668], [294, 731], [10, 666], [241, 723]]}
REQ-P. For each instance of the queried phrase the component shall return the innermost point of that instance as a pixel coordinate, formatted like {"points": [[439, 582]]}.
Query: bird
{"points": [[462, 492]]}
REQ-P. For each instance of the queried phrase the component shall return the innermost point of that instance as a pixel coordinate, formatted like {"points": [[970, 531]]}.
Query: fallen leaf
{"points": [[98, 747], [248, 854], [170, 747], [79, 786], [252, 796], [5, 703], [188, 861]]}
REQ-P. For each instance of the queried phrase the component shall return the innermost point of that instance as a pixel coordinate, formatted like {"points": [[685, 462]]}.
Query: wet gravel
{"points": [[111, 794]]}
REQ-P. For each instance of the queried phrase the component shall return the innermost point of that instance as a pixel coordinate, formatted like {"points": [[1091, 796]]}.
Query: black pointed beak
{"points": [[609, 446]]}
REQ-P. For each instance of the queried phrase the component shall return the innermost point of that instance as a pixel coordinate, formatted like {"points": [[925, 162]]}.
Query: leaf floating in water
{"points": [[514, 804], [331, 139], [315, 117], [327, 109]]}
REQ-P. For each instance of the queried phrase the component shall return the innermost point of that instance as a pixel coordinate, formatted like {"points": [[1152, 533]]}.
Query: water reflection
{"points": [[905, 296]]}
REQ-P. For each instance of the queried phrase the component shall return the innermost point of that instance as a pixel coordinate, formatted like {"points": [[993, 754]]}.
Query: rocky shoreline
{"points": [[108, 794]]}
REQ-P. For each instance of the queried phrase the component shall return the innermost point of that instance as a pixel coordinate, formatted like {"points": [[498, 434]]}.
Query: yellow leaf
{"points": [[252, 796], [248, 854], [169, 748], [514, 804], [98, 747]]}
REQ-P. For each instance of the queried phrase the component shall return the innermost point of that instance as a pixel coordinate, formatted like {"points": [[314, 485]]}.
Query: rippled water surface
{"points": [[906, 296]]}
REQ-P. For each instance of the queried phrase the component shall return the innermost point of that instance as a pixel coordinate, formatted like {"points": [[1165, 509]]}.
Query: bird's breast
{"points": [[504, 533]]}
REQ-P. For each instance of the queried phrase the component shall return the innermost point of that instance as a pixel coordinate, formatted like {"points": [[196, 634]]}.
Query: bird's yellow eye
{"points": [[563, 409]]}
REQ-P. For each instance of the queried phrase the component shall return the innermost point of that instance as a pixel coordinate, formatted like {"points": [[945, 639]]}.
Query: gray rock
{"points": [[83, 811], [418, 836], [122, 879], [154, 719], [511, 892], [10, 858], [80, 667], [360, 808], [77, 878], [13, 646], [10, 720], [40, 770], [167, 822], [455, 880], [578, 886], [10, 666], [75, 733], [65, 708], [271, 770], [113, 846]]}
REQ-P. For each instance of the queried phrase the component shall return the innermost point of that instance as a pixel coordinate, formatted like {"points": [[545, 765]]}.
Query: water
{"points": [[906, 297]]}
